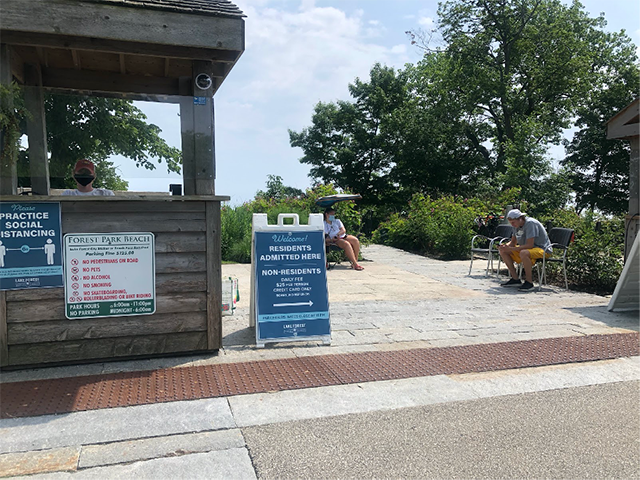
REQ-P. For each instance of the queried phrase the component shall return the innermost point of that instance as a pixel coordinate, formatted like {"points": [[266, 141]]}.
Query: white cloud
{"points": [[296, 55], [426, 22], [294, 58], [311, 53], [399, 49], [307, 5]]}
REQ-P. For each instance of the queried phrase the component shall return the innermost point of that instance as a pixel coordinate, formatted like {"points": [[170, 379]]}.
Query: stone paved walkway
{"points": [[398, 303], [403, 300]]}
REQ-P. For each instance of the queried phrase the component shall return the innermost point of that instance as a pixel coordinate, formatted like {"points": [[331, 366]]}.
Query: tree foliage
{"points": [[277, 190], [520, 68], [481, 112], [349, 143], [96, 128], [599, 166]]}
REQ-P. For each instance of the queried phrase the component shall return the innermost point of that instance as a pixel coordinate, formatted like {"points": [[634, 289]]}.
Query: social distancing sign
{"points": [[30, 245]]}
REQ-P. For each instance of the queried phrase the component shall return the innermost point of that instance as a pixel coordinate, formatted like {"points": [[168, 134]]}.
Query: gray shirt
{"points": [[532, 228]]}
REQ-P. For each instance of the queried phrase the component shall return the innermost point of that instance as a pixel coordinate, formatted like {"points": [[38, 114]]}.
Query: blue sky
{"points": [[299, 52]]}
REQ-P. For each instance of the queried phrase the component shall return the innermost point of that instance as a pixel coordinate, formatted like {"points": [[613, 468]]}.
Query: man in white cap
{"points": [[528, 244]]}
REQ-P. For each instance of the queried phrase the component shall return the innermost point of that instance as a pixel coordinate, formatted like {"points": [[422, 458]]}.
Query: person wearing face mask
{"points": [[336, 234], [84, 173]]}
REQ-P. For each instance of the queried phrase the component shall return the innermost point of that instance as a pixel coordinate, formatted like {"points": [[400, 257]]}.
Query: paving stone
{"points": [[29, 463], [405, 334], [113, 424], [291, 405], [145, 449], [369, 337], [429, 335], [335, 349], [535, 379], [269, 352], [342, 337], [336, 326], [229, 464], [387, 347]]}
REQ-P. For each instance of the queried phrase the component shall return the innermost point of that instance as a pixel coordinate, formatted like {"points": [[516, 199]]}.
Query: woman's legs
{"points": [[355, 244], [351, 248]]}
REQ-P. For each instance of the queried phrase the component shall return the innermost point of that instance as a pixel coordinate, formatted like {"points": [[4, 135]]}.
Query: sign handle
{"points": [[294, 216]]}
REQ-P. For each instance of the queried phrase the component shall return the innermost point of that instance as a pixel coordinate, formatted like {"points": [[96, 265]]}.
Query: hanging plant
{"points": [[12, 111]]}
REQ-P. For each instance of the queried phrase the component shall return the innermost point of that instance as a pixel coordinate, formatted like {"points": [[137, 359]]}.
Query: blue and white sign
{"points": [[291, 297], [30, 245]]}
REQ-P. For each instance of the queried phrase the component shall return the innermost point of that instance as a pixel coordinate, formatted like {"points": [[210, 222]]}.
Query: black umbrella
{"points": [[329, 200]]}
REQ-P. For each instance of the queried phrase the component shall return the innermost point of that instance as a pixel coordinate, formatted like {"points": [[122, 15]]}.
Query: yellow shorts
{"points": [[536, 254]]}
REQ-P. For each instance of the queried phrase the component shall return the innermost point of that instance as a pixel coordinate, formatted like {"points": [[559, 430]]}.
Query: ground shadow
{"points": [[599, 313], [240, 338]]}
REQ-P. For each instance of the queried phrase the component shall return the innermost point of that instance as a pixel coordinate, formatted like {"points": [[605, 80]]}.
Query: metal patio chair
{"points": [[339, 256], [482, 245], [560, 239]]}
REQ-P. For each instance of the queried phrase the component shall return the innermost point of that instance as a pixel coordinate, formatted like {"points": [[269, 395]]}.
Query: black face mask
{"points": [[84, 180]]}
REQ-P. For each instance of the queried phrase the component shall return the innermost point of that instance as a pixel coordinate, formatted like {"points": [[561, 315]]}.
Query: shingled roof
{"points": [[219, 8]]}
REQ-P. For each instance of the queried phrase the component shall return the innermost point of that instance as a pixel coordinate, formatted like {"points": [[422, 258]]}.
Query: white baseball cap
{"points": [[515, 213]]}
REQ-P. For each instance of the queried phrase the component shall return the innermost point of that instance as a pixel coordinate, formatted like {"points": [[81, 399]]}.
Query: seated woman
{"points": [[336, 234]]}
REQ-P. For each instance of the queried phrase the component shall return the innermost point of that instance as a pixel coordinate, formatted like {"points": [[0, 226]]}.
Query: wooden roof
{"points": [[223, 8], [138, 49], [625, 123]]}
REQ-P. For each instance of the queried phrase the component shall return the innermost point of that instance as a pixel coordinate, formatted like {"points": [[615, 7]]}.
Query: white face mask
{"points": [[332, 218]]}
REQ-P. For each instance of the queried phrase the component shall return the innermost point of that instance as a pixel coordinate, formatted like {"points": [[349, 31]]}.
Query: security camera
{"points": [[203, 81]]}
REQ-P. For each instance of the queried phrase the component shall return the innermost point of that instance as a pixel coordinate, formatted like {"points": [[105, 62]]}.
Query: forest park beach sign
{"points": [[109, 274]]}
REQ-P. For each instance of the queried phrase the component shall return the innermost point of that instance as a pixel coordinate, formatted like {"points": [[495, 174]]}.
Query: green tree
{"points": [[277, 190], [96, 128], [349, 143], [437, 151], [599, 166], [518, 69]]}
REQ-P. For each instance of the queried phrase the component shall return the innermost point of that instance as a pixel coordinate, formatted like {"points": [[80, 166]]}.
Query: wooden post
{"points": [[8, 164], [634, 177], [214, 276], [197, 124], [36, 130], [4, 346], [187, 130], [205, 148], [633, 219], [203, 131]]}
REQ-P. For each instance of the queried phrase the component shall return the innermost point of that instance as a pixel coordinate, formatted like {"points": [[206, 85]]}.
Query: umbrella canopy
{"points": [[329, 200]]}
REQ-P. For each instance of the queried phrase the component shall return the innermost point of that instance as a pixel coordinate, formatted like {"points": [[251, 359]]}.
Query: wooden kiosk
{"points": [[625, 125], [175, 51]]}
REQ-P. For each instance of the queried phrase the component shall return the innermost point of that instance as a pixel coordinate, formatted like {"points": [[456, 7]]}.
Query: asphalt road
{"points": [[585, 432]]}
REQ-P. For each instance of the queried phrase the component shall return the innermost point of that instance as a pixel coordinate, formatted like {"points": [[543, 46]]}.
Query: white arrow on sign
{"points": [[309, 303]]}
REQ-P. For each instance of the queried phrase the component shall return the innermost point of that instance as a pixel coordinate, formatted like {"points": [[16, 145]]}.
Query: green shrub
{"points": [[235, 230], [595, 259], [395, 233], [240, 252], [444, 227], [236, 221]]}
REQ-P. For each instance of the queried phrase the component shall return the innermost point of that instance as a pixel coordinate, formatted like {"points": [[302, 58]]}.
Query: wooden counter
{"points": [[33, 326]]}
